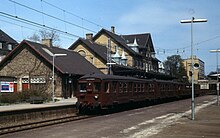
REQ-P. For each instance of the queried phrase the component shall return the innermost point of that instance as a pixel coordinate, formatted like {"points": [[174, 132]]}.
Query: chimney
{"points": [[113, 29], [47, 42], [89, 36]]}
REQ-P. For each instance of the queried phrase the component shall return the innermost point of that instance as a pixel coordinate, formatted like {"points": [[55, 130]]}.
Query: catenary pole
{"points": [[191, 21]]}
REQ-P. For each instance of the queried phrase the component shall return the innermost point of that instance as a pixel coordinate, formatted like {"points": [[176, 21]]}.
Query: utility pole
{"points": [[109, 57], [191, 21], [217, 76]]}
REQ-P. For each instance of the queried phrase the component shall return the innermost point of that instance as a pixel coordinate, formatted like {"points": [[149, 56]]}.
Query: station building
{"points": [[29, 67], [129, 55], [6, 44], [199, 73]]}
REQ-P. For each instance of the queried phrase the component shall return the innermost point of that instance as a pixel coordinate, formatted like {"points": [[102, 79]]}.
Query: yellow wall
{"points": [[103, 40], [187, 65], [89, 55]]}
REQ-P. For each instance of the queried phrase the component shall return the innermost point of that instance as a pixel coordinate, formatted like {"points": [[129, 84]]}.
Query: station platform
{"points": [[24, 106], [205, 125]]}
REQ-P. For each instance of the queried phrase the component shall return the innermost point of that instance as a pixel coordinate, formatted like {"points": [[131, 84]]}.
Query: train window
{"points": [[163, 87], [82, 87], [167, 87], [135, 87], [142, 87], [125, 87], [139, 87], [130, 87], [97, 86], [151, 87], [146, 87], [160, 87], [114, 86], [107, 87], [120, 87]]}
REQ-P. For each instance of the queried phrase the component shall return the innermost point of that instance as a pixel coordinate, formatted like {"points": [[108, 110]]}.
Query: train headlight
{"points": [[96, 97]]}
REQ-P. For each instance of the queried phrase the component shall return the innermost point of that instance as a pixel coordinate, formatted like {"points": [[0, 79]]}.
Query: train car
{"points": [[99, 91]]}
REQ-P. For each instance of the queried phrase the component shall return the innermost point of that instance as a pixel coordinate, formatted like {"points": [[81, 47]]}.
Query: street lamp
{"points": [[53, 55], [217, 83], [191, 21]]}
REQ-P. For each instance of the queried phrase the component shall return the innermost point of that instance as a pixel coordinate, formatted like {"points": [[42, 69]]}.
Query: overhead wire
{"points": [[183, 49], [35, 23], [82, 18], [18, 25], [22, 26], [51, 16]]}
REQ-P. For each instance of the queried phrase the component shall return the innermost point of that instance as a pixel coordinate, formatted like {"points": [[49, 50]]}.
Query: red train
{"points": [[98, 91]]}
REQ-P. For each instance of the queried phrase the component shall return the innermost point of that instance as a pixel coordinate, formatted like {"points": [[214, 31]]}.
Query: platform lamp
{"points": [[53, 55], [191, 21], [217, 83]]}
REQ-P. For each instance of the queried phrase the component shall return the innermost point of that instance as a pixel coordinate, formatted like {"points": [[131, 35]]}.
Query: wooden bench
{"points": [[36, 100]]}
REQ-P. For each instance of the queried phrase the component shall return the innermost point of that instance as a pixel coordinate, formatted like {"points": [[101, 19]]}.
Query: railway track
{"points": [[22, 127]]}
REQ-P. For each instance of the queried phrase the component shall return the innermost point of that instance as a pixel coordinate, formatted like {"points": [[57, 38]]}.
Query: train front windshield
{"points": [[89, 87], [82, 87]]}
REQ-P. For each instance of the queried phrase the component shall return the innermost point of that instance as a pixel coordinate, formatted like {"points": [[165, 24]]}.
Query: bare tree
{"points": [[35, 37], [46, 34]]}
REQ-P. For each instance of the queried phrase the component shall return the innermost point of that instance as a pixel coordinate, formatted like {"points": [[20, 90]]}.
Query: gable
{"points": [[6, 38], [24, 63], [92, 53], [144, 40], [72, 63], [116, 40]]}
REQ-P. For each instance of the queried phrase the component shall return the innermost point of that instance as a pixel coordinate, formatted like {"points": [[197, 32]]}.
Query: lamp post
{"points": [[191, 21], [55, 55], [217, 83], [109, 57]]}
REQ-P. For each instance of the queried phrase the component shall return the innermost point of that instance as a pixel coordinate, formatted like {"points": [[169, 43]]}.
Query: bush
{"points": [[9, 98], [23, 96]]}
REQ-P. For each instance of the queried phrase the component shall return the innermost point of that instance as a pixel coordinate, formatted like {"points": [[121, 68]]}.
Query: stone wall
{"points": [[27, 65]]}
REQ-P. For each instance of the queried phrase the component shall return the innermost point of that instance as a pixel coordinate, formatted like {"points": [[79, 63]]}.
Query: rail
{"points": [[22, 127]]}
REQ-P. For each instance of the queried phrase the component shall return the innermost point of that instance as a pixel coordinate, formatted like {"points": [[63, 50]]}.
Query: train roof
{"points": [[116, 77], [110, 77]]}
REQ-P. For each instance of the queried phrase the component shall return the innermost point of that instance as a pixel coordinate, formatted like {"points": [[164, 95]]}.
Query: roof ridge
{"points": [[135, 34], [6, 36]]}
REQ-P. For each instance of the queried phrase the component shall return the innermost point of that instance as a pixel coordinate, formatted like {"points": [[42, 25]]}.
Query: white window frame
{"points": [[1, 45], [9, 46]]}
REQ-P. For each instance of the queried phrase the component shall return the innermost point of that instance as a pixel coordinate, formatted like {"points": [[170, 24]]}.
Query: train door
{"points": [[156, 90]]}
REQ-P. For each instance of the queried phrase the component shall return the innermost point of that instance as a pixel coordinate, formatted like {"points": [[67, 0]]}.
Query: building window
{"points": [[38, 79], [25, 80], [1, 45], [92, 60], [9, 46], [82, 53]]}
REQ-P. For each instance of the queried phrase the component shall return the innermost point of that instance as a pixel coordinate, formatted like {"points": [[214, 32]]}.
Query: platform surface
{"points": [[23, 106], [205, 125]]}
